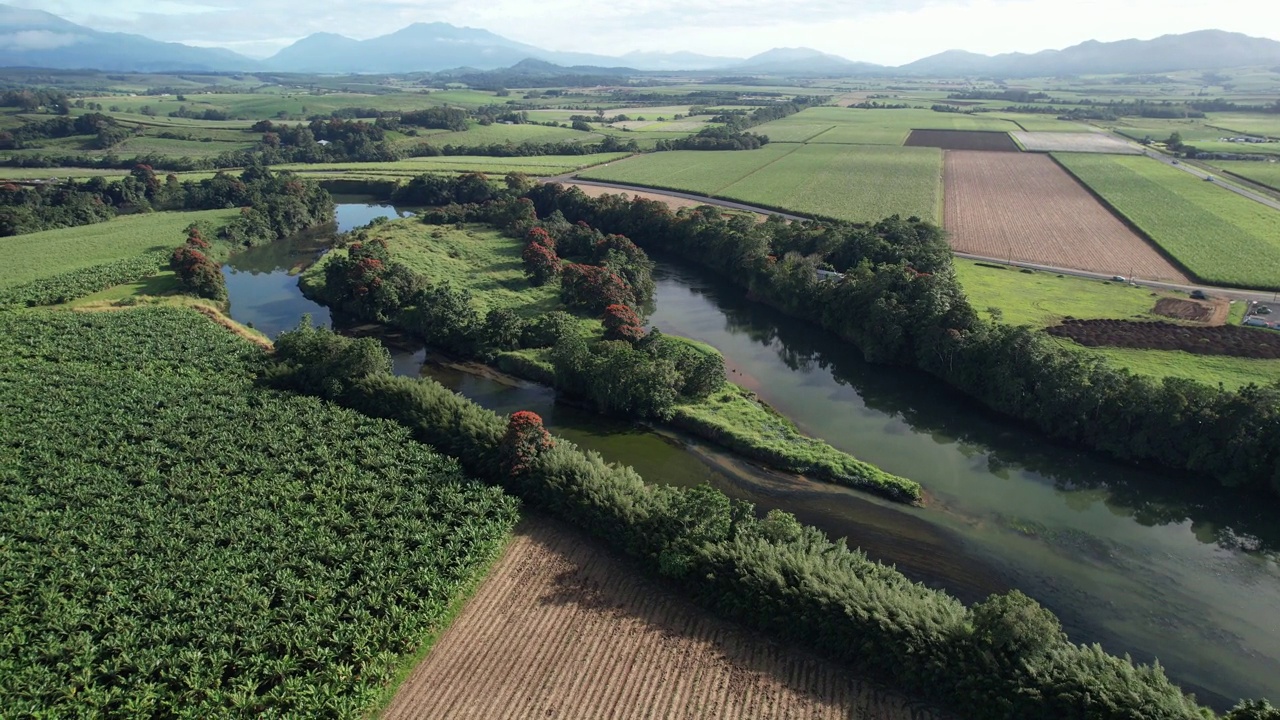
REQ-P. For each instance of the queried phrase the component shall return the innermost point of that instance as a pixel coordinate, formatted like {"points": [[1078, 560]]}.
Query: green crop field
{"points": [[538, 165], [44, 254], [1263, 173], [498, 133], [179, 148], [1039, 123], [854, 182], [1219, 236], [180, 542], [1248, 123], [696, 171], [1043, 299], [870, 127]]}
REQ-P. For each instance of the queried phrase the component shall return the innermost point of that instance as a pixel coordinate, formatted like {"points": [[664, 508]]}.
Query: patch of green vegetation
{"points": [[217, 573], [1231, 372], [871, 127], [735, 418], [1041, 299], [24, 258], [1220, 237], [539, 165], [854, 182], [1263, 173], [499, 133]]}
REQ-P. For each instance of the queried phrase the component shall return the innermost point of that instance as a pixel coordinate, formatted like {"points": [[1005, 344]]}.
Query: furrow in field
{"points": [[562, 629], [1024, 207]]}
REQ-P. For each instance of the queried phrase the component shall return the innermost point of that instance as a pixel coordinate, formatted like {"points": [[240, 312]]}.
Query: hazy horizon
{"points": [[887, 33]]}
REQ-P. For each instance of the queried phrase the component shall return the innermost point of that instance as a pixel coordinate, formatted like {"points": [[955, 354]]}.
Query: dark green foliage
{"points": [[180, 543], [1254, 710], [616, 377], [316, 362], [1005, 658], [447, 318], [701, 371], [367, 284], [502, 330], [547, 329]]}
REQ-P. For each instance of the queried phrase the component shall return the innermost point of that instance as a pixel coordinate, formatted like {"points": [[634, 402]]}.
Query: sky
{"points": [[880, 31]]}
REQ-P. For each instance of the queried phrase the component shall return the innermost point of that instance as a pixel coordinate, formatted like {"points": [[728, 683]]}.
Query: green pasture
{"points": [[1248, 123], [145, 145], [498, 133], [1043, 299], [870, 127], [24, 258], [1263, 173], [854, 182], [1221, 237]]}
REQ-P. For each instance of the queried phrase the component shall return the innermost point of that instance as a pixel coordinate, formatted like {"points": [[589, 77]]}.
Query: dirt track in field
{"points": [[1026, 208], [674, 203], [561, 629]]}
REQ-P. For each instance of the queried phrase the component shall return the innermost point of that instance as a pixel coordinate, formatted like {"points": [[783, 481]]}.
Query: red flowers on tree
{"points": [[594, 288], [622, 323], [541, 264], [524, 440]]}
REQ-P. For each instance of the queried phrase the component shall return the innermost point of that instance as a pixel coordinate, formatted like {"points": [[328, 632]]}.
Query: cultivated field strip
{"points": [[1024, 207], [561, 629], [1091, 142]]}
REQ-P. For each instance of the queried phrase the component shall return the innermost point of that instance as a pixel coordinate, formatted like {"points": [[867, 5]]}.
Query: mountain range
{"points": [[34, 38]]}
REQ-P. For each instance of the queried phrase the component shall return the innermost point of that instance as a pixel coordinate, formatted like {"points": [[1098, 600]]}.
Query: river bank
{"points": [[1119, 554]]}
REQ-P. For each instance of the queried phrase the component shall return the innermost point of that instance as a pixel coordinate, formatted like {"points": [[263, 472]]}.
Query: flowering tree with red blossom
{"points": [[622, 323], [523, 441]]}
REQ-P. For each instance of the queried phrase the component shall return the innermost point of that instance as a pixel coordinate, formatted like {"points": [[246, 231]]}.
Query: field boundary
{"points": [[1246, 179], [1146, 237], [768, 209], [406, 667]]}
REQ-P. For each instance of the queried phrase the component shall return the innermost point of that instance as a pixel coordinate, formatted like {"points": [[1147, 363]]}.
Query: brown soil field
{"points": [[563, 629], [675, 203], [1024, 207], [1231, 340], [977, 140], [1208, 312]]}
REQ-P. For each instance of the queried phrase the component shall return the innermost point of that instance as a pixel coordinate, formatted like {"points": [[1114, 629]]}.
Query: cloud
{"points": [[26, 40]]}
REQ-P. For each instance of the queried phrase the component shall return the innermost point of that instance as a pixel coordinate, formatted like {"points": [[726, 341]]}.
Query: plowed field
{"points": [[1024, 207], [962, 140], [561, 629], [1230, 340]]}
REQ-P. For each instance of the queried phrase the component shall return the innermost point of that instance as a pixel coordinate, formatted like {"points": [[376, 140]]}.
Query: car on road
{"points": [[1175, 162], [1198, 295], [1262, 310], [1119, 278]]}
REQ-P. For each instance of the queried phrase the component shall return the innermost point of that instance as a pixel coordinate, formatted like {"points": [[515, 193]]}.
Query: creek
{"points": [[1127, 558]]}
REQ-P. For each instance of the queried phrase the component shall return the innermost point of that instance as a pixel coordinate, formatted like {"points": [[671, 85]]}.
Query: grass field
{"points": [[179, 148], [497, 133], [1043, 299], [1218, 236], [539, 165], [832, 125], [844, 182], [1263, 173], [39, 255]]}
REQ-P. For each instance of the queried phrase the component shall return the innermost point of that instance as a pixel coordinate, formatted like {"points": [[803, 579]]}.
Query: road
{"points": [[1201, 173], [1262, 296]]}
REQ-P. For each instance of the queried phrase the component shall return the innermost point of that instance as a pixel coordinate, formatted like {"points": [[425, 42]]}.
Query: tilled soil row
{"points": [[1231, 340], [562, 629]]}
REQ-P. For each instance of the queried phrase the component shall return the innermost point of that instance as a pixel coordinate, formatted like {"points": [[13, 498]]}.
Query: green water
{"points": [[1126, 558]]}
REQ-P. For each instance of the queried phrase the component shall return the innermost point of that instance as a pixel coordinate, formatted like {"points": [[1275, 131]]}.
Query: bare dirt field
{"points": [[561, 629], [1208, 312], [1075, 142], [962, 140], [1231, 340], [1024, 207]]}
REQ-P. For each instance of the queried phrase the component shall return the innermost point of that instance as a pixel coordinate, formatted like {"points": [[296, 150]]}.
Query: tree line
{"points": [[899, 302], [1006, 657], [275, 205]]}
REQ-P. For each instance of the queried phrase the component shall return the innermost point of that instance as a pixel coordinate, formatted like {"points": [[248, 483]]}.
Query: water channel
{"points": [[1125, 557]]}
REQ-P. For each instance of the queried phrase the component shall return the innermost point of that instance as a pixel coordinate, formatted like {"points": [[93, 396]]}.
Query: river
{"points": [[1126, 558]]}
